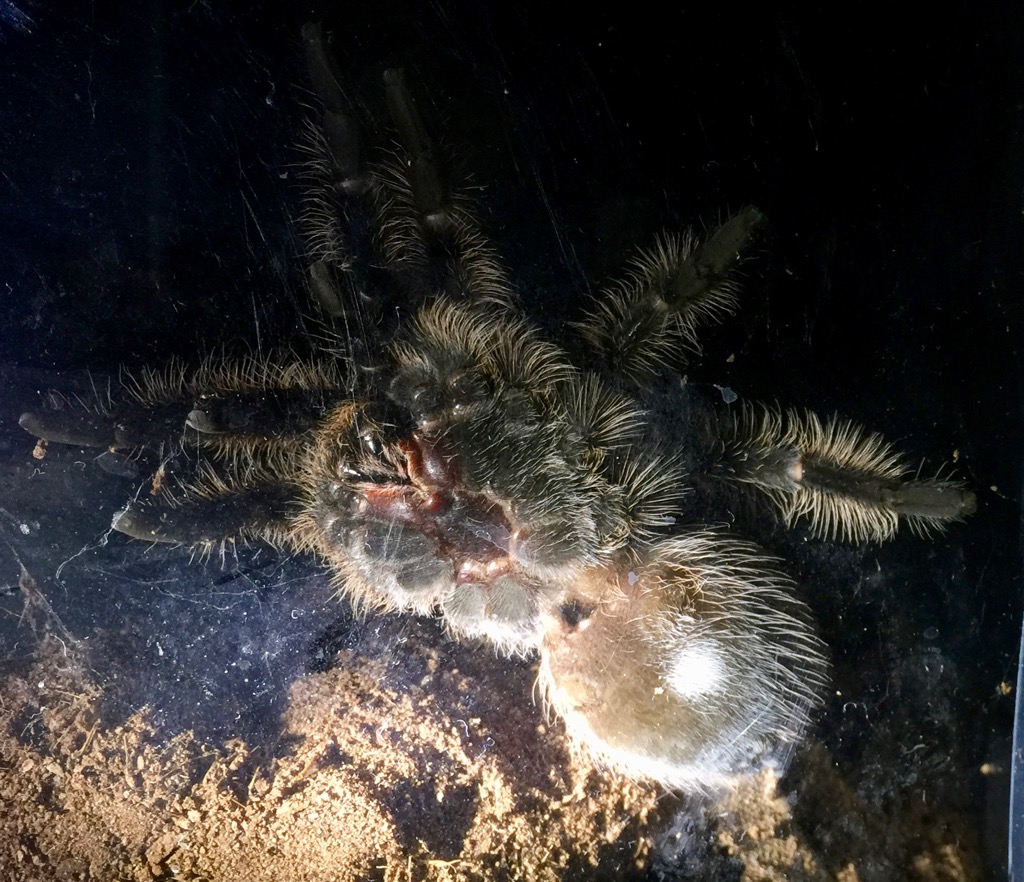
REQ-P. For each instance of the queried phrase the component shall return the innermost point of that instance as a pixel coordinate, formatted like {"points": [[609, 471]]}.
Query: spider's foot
{"points": [[80, 427]]}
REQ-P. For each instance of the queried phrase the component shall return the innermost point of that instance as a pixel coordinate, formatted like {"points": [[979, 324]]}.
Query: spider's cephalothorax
{"points": [[475, 471]]}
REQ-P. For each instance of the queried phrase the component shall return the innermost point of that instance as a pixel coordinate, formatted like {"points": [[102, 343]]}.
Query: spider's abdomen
{"points": [[687, 667]]}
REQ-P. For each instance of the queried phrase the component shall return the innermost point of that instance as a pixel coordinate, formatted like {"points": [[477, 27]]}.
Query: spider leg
{"points": [[111, 425], [849, 483], [688, 666], [247, 397], [240, 423], [339, 202], [214, 508], [406, 217], [641, 325], [428, 231], [80, 426]]}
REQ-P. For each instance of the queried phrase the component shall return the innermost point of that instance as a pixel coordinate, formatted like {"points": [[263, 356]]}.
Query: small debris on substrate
{"points": [[368, 780], [828, 833]]}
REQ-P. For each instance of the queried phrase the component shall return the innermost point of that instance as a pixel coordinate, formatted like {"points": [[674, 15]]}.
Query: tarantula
{"points": [[471, 469]]}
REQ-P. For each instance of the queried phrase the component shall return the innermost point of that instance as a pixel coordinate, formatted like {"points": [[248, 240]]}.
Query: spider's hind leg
{"points": [[644, 323], [849, 483]]}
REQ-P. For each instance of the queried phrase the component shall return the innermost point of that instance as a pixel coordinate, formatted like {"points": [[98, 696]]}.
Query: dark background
{"points": [[147, 178]]}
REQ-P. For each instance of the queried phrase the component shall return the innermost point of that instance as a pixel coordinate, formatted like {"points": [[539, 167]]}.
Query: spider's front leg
{"points": [[642, 325], [228, 436], [849, 483]]}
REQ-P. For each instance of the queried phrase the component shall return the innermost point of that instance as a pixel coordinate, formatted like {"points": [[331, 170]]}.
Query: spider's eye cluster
{"points": [[439, 384], [467, 390]]}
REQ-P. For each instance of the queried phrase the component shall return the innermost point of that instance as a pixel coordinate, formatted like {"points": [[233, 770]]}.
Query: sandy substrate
{"points": [[365, 782], [368, 781]]}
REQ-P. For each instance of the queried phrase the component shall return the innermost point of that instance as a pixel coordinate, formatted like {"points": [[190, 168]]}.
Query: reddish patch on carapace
{"points": [[471, 530]]}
